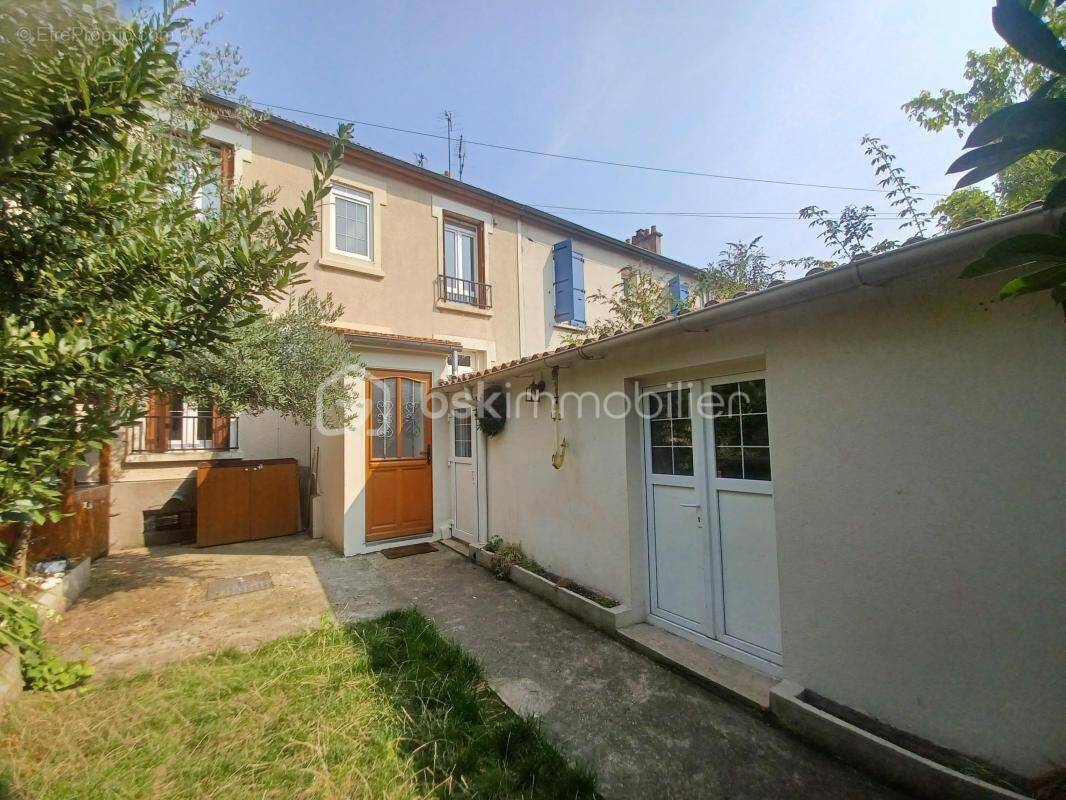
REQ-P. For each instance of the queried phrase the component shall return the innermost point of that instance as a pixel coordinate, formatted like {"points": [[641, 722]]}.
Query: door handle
{"points": [[429, 453], [699, 516]]}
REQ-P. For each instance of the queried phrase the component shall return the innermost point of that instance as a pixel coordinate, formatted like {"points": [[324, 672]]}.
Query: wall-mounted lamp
{"points": [[533, 391]]}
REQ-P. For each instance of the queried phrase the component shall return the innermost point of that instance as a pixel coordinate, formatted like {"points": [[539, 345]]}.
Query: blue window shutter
{"points": [[679, 291], [569, 283], [579, 289]]}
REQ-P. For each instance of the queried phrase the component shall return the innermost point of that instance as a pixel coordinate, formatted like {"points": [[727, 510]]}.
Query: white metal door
{"points": [[464, 476], [677, 522], [730, 544], [744, 538]]}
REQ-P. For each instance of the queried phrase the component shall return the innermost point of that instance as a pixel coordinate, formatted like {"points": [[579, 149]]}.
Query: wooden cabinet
{"points": [[239, 501]]}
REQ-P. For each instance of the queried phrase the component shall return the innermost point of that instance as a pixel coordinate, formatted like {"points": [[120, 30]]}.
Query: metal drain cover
{"points": [[229, 587]]}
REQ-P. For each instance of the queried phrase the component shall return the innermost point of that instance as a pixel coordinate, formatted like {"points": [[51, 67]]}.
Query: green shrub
{"points": [[42, 669]]}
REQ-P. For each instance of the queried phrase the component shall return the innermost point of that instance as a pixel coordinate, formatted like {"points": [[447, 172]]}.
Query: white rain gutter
{"points": [[873, 271]]}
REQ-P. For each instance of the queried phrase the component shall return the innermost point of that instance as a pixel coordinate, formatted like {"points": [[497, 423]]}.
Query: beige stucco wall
{"points": [[602, 274], [921, 516], [392, 292], [396, 292], [918, 467]]}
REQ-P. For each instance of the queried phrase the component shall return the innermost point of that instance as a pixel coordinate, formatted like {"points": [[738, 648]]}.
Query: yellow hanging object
{"points": [[559, 454], [557, 415]]}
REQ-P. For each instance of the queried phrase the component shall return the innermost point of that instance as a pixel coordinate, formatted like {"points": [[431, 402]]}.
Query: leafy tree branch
{"points": [[109, 273]]}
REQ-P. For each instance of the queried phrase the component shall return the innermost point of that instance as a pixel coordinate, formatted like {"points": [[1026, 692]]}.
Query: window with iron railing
{"points": [[459, 290], [463, 262], [171, 424]]}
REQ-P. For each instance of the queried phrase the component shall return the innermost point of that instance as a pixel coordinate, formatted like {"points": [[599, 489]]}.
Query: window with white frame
{"points": [[209, 198], [351, 217], [461, 264]]}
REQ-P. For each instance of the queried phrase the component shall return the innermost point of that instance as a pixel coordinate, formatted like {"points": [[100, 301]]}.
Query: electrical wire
{"points": [[784, 215], [583, 159]]}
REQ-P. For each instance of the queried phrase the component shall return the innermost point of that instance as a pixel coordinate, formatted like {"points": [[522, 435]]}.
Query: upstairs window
{"points": [[679, 292], [569, 284], [463, 280], [460, 262], [351, 215], [209, 198]]}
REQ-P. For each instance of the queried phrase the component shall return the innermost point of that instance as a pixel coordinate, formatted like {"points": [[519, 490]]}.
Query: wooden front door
{"points": [[399, 449]]}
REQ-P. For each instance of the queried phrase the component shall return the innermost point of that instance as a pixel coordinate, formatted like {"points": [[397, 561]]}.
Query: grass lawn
{"points": [[382, 709]]}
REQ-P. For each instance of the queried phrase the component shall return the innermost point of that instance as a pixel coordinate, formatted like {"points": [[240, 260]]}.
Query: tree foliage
{"points": [[849, 235], [963, 206], [278, 362], [638, 299], [997, 78], [740, 267], [846, 235], [1017, 131], [108, 272], [897, 188], [641, 297]]}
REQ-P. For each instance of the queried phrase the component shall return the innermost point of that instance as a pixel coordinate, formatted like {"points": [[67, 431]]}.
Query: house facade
{"points": [[436, 278], [851, 481]]}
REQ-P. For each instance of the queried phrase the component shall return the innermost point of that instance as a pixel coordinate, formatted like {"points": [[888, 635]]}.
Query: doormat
{"points": [[229, 587], [408, 550]]}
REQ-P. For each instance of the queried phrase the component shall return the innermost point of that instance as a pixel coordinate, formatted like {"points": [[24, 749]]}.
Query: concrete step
{"points": [[719, 673], [460, 547]]}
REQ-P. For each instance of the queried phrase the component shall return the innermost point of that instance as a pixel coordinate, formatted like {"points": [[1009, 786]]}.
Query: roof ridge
{"points": [[522, 208]]}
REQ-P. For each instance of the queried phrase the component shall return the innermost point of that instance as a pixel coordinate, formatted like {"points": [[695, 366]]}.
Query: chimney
{"points": [[647, 239]]}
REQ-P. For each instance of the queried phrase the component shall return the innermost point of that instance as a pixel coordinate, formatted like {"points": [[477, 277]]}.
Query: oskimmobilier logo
{"points": [[336, 414]]}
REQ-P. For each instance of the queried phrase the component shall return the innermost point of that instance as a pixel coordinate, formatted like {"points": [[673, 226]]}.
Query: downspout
{"points": [[521, 294], [483, 466]]}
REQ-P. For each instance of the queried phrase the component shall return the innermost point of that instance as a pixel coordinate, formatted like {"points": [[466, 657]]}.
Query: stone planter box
{"points": [[10, 675], [62, 596], [876, 755], [480, 556], [606, 619]]}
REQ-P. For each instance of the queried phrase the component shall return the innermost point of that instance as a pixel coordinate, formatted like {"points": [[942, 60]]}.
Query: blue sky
{"points": [[781, 90]]}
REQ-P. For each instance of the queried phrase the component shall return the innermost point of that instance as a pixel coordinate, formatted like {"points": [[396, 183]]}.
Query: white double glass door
{"points": [[712, 545]]}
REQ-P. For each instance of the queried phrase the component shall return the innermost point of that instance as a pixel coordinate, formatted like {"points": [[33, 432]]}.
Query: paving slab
{"points": [[646, 730]]}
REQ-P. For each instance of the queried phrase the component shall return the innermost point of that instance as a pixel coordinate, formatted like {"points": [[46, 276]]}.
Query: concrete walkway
{"points": [[645, 730]]}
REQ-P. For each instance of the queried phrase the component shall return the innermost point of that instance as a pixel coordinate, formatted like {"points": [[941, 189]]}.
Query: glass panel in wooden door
{"points": [[383, 419], [412, 427]]}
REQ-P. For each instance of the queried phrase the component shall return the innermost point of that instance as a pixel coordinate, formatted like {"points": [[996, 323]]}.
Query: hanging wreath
{"points": [[492, 410]]}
